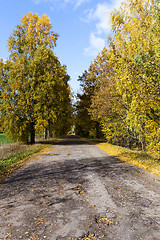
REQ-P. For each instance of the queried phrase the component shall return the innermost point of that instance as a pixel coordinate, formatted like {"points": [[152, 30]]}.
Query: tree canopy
{"points": [[126, 96], [34, 85]]}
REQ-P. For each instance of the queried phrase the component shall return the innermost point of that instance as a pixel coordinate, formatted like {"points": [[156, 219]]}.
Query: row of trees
{"points": [[34, 91], [121, 89]]}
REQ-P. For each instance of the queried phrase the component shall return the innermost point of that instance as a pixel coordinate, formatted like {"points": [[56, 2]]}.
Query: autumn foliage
{"points": [[126, 78], [35, 94]]}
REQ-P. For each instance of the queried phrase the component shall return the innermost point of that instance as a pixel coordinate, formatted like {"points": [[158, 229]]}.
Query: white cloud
{"points": [[88, 15], [96, 45], [39, 1], [75, 3], [100, 16], [80, 2]]}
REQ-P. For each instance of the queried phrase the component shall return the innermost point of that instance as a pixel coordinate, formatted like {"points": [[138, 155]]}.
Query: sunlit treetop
{"points": [[31, 33]]}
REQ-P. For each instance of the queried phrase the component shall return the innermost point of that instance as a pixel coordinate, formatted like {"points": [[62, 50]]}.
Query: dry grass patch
{"points": [[14, 155], [9, 149]]}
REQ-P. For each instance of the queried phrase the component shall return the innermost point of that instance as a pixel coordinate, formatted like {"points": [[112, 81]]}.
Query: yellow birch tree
{"points": [[34, 86]]}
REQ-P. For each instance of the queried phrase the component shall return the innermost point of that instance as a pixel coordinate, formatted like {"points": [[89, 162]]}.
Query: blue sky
{"points": [[82, 25]]}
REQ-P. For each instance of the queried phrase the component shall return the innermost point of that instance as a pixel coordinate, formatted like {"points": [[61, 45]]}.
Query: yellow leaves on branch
{"points": [[40, 125], [135, 61], [36, 31], [35, 92], [123, 83]]}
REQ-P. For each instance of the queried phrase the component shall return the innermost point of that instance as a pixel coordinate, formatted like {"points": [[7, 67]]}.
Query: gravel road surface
{"points": [[76, 191]]}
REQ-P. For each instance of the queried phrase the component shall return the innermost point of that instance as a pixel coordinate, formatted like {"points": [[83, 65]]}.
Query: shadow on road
{"points": [[69, 140], [50, 194], [43, 176]]}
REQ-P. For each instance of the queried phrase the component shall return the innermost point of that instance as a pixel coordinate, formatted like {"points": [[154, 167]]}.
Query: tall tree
{"points": [[107, 106], [125, 98], [29, 96], [135, 58], [85, 125]]}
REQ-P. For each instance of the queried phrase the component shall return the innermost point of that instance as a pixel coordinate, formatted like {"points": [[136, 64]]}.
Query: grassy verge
{"points": [[139, 158], [3, 139], [15, 161], [15, 155]]}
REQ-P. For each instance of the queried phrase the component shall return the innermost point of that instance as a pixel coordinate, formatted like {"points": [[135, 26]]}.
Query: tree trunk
{"points": [[45, 133], [50, 132], [32, 139]]}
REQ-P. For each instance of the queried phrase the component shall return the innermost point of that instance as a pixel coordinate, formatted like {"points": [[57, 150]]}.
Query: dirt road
{"points": [[76, 191]]}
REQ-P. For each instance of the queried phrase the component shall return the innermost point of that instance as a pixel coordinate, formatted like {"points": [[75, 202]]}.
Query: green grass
{"points": [[15, 155], [4, 139]]}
